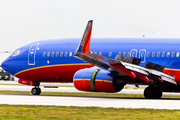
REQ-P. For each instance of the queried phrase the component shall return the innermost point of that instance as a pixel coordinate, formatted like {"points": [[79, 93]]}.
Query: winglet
{"points": [[84, 44]]}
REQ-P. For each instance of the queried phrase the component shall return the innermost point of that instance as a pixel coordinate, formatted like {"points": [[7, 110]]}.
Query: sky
{"points": [[26, 21]]}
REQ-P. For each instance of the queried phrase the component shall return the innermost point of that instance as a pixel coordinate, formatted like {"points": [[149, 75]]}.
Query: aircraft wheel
{"points": [[149, 93], [36, 91], [153, 93], [158, 92]]}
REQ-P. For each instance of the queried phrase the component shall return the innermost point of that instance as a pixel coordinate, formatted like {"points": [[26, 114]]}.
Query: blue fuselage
{"points": [[162, 51]]}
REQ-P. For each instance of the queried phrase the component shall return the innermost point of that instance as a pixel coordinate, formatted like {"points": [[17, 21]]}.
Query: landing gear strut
{"points": [[36, 90], [153, 93]]}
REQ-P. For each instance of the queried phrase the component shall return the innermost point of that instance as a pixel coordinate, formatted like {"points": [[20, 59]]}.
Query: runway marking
{"points": [[90, 101]]}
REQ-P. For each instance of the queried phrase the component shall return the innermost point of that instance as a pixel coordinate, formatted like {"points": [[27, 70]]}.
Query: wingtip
{"points": [[85, 41], [90, 21]]}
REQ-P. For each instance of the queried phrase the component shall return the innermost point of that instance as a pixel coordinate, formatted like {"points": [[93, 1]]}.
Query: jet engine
{"points": [[97, 80]]}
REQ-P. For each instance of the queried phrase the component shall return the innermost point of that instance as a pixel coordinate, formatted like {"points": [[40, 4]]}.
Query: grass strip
{"points": [[39, 112], [87, 94]]}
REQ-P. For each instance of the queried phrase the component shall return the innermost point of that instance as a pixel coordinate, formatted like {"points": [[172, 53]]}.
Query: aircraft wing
{"points": [[122, 64]]}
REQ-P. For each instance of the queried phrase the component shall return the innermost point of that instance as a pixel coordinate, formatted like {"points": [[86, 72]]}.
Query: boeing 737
{"points": [[99, 64]]}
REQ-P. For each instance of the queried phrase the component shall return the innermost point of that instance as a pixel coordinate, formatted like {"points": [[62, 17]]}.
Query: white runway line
{"points": [[89, 101]]}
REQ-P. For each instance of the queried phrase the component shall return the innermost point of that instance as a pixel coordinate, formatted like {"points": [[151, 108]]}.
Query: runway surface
{"points": [[65, 87], [84, 101], [90, 101], [69, 89]]}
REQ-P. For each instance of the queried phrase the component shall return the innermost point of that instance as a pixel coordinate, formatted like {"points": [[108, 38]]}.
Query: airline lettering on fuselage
{"points": [[86, 33]]}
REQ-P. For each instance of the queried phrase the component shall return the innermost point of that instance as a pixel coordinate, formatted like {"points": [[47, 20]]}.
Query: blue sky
{"points": [[24, 21]]}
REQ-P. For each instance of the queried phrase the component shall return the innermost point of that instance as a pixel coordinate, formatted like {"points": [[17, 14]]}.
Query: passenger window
{"points": [[110, 54], [142, 54], [163, 54], [66, 53], [172, 54], [124, 53], [44, 53], [57, 54], [119, 53], [61, 54], [128, 54], [48, 54], [177, 54], [147, 54], [70, 54], [168, 54], [52, 54], [153, 54], [158, 54], [100, 53], [133, 54]]}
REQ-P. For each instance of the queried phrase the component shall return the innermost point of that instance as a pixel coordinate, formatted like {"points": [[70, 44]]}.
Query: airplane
{"points": [[99, 64]]}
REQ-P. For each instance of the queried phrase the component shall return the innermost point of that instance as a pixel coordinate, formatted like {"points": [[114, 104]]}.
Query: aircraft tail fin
{"points": [[84, 44]]}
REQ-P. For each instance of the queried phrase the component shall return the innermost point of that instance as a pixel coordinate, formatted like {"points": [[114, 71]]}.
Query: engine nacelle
{"points": [[97, 80]]}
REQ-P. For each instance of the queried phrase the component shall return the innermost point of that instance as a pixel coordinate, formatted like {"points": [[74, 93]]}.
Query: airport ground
{"points": [[65, 94], [65, 102], [33, 112]]}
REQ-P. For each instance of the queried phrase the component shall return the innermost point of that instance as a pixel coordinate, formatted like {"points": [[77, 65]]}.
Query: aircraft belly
{"points": [[52, 73]]}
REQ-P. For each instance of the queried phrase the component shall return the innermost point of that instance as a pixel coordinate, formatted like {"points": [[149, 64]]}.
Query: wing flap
{"points": [[150, 72], [124, 70]]}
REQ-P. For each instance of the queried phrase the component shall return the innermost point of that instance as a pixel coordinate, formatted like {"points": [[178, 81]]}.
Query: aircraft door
{"points": [[142, 55], [32, 54], [133, 53]]}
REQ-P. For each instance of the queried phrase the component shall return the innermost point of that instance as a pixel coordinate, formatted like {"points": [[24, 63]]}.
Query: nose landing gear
{"points": [[36, 91]]}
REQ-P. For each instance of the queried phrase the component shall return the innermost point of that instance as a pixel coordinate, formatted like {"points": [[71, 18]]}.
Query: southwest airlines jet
{"points": [[103, 65]]}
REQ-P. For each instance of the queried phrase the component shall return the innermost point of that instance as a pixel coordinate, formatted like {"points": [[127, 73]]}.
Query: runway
{"points": [[85, 101], [90, 101], [70, 89], [59, 89]]}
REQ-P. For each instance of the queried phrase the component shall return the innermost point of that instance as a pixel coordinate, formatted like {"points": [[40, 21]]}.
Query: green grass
{"points": [[40, 112], [33, 112], [87, 94]]}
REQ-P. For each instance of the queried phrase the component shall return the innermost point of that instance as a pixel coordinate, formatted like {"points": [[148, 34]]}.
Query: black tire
{"points": [[120, 87], [149, 93], [36, 91], [158, 92]]}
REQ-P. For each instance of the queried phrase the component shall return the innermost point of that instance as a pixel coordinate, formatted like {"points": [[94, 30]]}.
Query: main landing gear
{"points": [[153, 93], [36, 90]]}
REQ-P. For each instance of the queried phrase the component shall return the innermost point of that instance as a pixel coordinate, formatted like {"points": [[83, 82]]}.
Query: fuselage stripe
{"points": [[50, 66], [103, 80], [171, 69], [95, 80]]}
